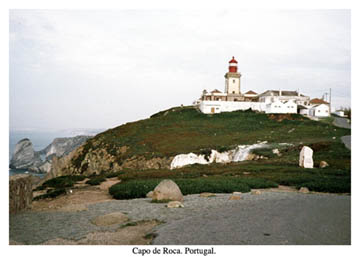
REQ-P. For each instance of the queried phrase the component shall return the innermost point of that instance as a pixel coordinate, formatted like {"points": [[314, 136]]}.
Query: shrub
{"points": [[328, 185], [63, 181], [133, 189], [114, 174], [139, 188], [51, 194], [96, 180]]}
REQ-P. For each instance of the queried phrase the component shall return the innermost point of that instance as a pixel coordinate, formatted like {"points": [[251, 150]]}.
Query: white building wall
{"points": [[304, 111], [321, 110], [279, 107], [227, 106]]}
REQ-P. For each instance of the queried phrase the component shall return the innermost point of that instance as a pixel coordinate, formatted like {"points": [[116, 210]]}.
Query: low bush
{"points": [[114, 174], [63, 181], [51, 194], [133, 189], [96, 180], [342, 185], [139, 188]]}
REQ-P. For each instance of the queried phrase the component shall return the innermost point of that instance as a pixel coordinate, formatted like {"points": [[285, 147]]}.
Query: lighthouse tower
{"points": [[232, 79]]}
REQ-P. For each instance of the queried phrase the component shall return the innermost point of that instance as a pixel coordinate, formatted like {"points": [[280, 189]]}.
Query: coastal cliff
{"points": [[25, 157]]}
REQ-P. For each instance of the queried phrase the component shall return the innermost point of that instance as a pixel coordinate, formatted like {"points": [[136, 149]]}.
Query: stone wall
{"points": [[20, 192]]}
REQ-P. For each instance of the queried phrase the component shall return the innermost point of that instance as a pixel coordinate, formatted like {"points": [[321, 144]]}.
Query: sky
{"points": [[101, 69]]}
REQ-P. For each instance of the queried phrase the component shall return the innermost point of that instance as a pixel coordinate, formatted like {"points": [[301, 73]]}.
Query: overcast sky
{"points": [[100, 69]]}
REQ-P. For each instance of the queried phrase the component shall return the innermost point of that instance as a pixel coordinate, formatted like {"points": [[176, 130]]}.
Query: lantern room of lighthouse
{"points": [[232, 79]]}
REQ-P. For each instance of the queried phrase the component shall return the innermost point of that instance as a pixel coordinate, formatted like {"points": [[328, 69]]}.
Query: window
{"points": [[233, 92], [233, 80]]}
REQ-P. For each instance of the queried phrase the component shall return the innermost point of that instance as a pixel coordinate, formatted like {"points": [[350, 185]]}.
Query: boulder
{"points": [[110, 219], [167, 190], [306, 160], [175, 204], [304, 190], [323, 164]]}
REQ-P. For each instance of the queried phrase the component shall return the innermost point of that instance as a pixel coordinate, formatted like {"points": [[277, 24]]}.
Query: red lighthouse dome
{"points": [[233, 65]]}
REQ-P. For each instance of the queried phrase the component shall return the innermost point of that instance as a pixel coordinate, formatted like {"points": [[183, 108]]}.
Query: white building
{"points": [[281, 107], [271, 101], [304, 109], [321, 110], [271, 96], [340, 113], [209, 107]]}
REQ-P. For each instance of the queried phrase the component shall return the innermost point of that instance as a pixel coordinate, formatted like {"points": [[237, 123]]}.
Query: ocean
{"points": [[41, 139]]}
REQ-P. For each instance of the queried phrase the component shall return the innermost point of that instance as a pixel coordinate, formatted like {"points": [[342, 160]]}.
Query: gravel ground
{"points": [[212, 217]]}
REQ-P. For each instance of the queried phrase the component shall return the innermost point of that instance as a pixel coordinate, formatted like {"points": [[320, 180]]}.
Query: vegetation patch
{"points": [[51, 194], [96, 180], [139, 188], [62, 181]]}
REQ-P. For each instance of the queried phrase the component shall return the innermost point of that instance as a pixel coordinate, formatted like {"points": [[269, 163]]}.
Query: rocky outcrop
{"points": [[20, 192], [24, 156], [240, 153], [167, 190], [305, 159], [63, 146]]}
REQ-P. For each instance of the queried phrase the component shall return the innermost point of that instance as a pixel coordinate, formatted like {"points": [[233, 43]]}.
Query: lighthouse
{"points": [[232, 79]]}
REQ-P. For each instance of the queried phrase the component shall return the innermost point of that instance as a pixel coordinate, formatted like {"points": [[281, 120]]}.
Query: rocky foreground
{"points": [[283, 215]]}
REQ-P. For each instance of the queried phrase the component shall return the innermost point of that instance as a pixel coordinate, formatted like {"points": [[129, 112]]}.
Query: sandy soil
{"points": [[81, 196]]}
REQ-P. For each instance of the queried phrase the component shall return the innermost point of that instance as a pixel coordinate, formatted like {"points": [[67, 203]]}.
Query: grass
{"points": [[184, 130], [282, 170]]}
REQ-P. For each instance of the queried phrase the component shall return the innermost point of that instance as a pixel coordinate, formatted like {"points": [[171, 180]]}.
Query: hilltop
{"points": [[145, 148]]}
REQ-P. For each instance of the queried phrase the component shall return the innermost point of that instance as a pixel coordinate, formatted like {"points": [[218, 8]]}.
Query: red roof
{"points": [[250, 93], [318, 101], [233, 60]]}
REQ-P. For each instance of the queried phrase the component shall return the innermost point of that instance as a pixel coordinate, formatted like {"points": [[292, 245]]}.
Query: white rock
{"points": [[276, 151], [306, 160], [217, 157], [240, 153], [181, 160], [175, 204]]}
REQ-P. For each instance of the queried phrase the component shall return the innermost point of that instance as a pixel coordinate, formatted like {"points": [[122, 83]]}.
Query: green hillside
{"points": [[185, 129]]}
